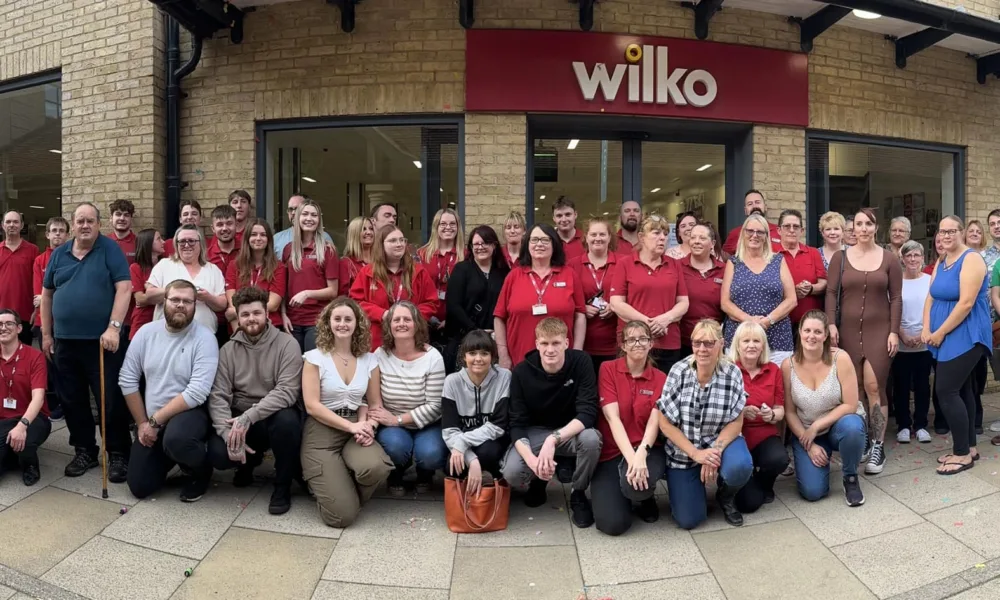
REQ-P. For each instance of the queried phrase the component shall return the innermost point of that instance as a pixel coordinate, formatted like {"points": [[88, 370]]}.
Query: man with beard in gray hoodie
{"points": [[254, 401]]}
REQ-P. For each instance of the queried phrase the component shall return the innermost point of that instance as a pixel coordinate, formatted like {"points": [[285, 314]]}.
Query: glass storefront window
{"points": [[348, 170], [30, 155], [589, 172], [678, 178]]}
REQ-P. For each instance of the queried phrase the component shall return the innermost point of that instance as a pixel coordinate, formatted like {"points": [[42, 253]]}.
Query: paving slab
{"points": [[106, 569], [5, 592], [987, 591], [89, 484], [540, 573], [613, 560], [547, 525], [744, 561], [904, 560], [336, 590], [60, 522], [12, 488], [164, 523], [901, 459], [924, 491], [834, 522], [379, 547], [693, 587], [58, 441], [302, 519], [768, 513], [972, 523], [291, 570]]}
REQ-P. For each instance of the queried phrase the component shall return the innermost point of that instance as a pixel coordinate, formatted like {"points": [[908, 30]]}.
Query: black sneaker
{"points": [[195, 488], [57, 414], [565, 469], [281, 500], [648, 511], [877, 460], [867, 454], [30, 474], [768, 496], [117, 467], [583, 514], [243, 477], [852, 491], [81, 463], [536, 495]]}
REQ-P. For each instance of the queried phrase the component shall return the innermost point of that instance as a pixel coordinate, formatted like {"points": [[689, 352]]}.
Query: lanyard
{"points": [[599, 282], [399, 288], [255, 276], [442, 274], [9, 379], [541, 292]]}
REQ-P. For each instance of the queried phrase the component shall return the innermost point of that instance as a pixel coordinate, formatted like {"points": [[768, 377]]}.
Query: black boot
{"points": [[726, 497]]}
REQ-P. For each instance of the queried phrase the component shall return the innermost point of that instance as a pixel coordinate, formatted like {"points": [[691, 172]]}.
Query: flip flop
{"points": [[944, 459], [964, 467]]}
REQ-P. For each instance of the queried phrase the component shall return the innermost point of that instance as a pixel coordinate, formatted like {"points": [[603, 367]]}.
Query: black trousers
{"points": [[78, 365], [665, 359], [911, 371], [956, 386], [598, 361], [38, 432], [981, 373], [612, 495], [490, 455], [281, 432], [769, 461], [182, 441], [52, 379]]}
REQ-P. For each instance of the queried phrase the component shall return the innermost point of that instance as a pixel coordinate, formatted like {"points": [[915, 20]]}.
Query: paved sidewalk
{"points": [[919, 535]]}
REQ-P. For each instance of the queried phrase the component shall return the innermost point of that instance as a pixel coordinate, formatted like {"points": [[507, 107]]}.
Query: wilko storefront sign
{"points": [[575, 72]]}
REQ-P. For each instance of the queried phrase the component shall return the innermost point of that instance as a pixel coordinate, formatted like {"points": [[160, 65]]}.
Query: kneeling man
{"points": [[24, 417], [254, 399], [553, 412], [178, 358]]}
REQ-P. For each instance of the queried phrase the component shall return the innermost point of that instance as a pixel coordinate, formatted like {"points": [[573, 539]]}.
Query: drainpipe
{"points": [[175, 73]]}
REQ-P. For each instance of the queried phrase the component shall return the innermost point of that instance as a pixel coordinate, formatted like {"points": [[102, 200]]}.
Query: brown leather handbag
{"points": [[487, 511]]}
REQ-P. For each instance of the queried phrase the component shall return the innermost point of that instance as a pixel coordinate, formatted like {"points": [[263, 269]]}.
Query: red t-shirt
{"points": [[511, 260], [704, 295], [929, 269], [561, 294], [625, 247], [440, 268], [37, 276], [168, 248], [601, 339], [806, 265], [277, 284], [574, 247], [127, 244], [767, 387], [349, 269], [27, 370], [651, 291], [636, 398], [733, 239], [16, 271], [312, 276], [375, 299], [142, 314]]}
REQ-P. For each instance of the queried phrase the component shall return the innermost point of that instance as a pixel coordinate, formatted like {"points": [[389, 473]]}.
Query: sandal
{"points": [[943, 460], [962, 467]]}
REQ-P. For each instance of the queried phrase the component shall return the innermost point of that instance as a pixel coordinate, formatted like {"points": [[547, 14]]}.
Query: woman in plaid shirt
{"points": [[702, 417]]}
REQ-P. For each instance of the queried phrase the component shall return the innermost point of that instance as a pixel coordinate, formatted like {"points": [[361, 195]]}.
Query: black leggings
{"points": [[956, 387], [769, 461]]}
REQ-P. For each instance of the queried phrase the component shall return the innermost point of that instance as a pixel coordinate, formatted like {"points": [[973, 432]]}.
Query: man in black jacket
{"points": [[553, 412]]}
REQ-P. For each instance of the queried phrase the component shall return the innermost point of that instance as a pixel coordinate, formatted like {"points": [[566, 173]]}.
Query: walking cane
{"points": [[104, 437]]}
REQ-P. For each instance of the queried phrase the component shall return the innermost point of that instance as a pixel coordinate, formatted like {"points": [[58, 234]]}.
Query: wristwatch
{"points": [[115, 324], [25, 421], [556, 434], [399, 420], [647, 447], [152, 422]]}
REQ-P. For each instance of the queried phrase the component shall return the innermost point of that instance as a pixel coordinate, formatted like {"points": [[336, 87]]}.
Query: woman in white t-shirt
{"points": [[189, 263], [339, 452], [911, 368]]}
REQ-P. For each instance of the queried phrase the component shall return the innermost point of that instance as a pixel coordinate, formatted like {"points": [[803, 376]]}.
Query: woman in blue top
{"points": [[957, 330]]}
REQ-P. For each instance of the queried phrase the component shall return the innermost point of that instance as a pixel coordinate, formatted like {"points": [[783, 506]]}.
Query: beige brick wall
{"points": [[495, 155], [109, 52]]}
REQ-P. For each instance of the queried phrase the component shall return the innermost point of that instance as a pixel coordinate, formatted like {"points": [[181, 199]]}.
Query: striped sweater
{"points": [[412, 386]]}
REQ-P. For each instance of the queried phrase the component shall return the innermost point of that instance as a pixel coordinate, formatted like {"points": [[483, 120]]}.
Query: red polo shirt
{"points": [[562, 295], [142, 314], [349, 269], [574, 247], [806, 265], [704, 295], [601, 339], [767, 387], [127, 244], [277, 284], [636, 398], [312, 276], [16, 271], [375, 299], [651, 291], [37, 276], [929, 269], [168, 248], [625, 247], [26, 369], [439, 267], [511, 260], [222, 259], [733, 239]]}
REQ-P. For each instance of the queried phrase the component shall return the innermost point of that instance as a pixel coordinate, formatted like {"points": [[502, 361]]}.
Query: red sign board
{"points": [[510, 70]]}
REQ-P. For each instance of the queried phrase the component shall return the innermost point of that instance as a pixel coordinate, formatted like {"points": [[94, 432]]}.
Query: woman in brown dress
{"points": [[870, 306]]}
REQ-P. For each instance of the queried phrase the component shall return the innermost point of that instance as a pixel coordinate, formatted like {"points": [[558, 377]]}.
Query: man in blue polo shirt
{"points": [[85, 295]]}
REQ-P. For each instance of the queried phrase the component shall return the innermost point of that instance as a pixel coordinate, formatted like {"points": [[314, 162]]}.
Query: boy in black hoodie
{"points": [[553, 412]]}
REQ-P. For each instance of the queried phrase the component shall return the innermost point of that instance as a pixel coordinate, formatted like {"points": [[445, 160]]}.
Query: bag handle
{"points": [[465, 508]]}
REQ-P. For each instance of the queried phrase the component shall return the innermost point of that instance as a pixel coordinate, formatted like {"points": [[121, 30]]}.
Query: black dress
{"points": [[469, 303]]}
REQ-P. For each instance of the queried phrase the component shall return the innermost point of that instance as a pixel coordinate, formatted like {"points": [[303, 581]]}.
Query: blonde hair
{"points": [[430, 249], [319, 239], [741, 247], [712, 328], [612, 238], [352, 247], [518, 218], [550, 327], [745, 330], [832, 219], [202, 256], [982, 235]]}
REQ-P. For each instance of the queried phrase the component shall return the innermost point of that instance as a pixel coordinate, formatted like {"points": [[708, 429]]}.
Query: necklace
{"points": [[342, 359]]}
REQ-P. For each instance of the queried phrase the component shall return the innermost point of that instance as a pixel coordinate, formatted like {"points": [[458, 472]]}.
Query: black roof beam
{"points": [[466, 13], [346, 13], [703, 13], [986, 66], [815, 24], [204, 17], [586, 14], [917, 42]]}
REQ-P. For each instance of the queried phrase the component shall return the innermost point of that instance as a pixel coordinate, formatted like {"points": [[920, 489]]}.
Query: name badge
{"points": [[776, 240], [10, 404], [539, 309], [646, 392], [558, 284], [374, 287], [718, 280], [441, 295]]}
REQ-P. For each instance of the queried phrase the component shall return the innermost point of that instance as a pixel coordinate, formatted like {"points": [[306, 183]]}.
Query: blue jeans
{"points": [[425, 447], [305, 335], [687, 492], [847, 436]]}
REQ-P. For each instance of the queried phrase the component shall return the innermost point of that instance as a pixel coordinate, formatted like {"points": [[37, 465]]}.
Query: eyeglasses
{"points": [[540, 241], [180, 302], [188, 242], [948, 232], [396, 241], [448, 226], [639, 341], [791, 226], [755, 232], [703, 343], [8, 325], [478, 246]]}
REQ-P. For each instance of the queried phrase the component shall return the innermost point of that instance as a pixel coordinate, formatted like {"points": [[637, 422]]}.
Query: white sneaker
{"points": [[903, 437], [923, 436]]}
